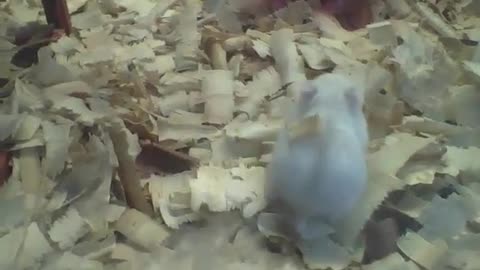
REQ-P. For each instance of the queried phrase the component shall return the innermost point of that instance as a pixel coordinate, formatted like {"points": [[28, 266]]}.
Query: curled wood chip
{"points": [[70, 227], [398, 8], [202, 154], [382, 33], [95, 249], [175, 101], [382, 167], [435, 21], [30, 172], [171, 196], [392, 262], [287, 61], [54, 117], [8, 125], [411, 205], [57, 142], [424, 165], [261, 48], [224, 190], [10, 244], [127, 253], [90, 174], [91, 18], [75, 88], [235, 64], [216, 53], [43, 72], [462, 252], [238, 43], [457, 210], [315, 56], [13, 187], [75, 5], [142, 7], [13, 212], [251, 186], [383, 108], [35, 247], [254, 130], [330, 28], [295, 12], [228, 19], [217, 91], [463, 159], [476, 55], [28, 95], [126, 169], [139, 229], [472, 68], [463, 105], [411, 145], [227, 151], [78, 110], [264, 83], [426, 254], [424, 174], [185, 132], [68, 260], [188, 36], [159, 65], [432, 66], [427, 125], [333, 53], [27, 128]]}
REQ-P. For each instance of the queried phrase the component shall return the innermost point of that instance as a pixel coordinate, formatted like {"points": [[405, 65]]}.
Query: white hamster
{"points": [[321, 175]]}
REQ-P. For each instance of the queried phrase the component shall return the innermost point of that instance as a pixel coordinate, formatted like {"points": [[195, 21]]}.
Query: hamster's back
{"points": [[323, 175]]}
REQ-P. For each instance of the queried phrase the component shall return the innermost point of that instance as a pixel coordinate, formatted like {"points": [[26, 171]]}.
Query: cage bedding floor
{"points": [[140, 141]]}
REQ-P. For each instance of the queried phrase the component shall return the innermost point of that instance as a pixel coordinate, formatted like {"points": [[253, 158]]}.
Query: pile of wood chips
{"points": [[119, 137]]}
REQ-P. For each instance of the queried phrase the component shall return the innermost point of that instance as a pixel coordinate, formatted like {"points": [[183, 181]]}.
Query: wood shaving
{"points": [[186, 49], [35, 247], [217, 91], [11, 243], [225, 190], [170, 106], [435, 21], [426, 254], [171, 197], [382, 166], [287, 60], [393, 262], [68, 229], [139, 228], [382, 33]]}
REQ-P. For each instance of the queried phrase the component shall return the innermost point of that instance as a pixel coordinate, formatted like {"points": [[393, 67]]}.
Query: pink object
{"points": [[352, 14], [278, 4], [334, 6]]}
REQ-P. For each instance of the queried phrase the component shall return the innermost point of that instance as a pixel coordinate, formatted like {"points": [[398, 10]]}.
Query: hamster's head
{"points": [[331, 90]]}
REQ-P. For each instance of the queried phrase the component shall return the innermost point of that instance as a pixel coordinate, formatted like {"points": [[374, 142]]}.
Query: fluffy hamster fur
{"points": [[322, 175]]}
